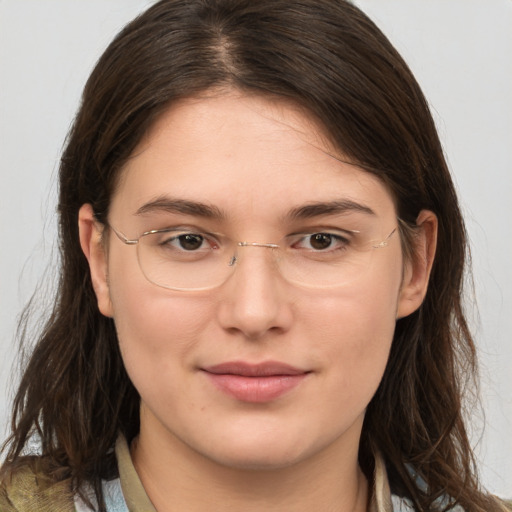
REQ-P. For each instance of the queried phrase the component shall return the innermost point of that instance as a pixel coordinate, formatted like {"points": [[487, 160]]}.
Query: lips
{"points": [[255, 383]]}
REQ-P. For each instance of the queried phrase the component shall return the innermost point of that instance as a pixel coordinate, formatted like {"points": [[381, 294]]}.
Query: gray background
{"points": [[461, 53]]}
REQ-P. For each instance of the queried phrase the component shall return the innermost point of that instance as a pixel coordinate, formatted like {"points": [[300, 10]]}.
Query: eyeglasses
{"points": [[180, 259]]}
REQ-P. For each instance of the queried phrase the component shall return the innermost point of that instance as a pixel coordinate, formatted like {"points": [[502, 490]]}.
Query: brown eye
{"points": [[190, 242], [320, 241]]}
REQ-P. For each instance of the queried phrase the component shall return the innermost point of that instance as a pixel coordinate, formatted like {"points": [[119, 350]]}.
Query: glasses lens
{"points": [[323, 260], [183, 260]]}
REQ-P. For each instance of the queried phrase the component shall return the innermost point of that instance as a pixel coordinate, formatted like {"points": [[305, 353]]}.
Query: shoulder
{"points": [[405, 505], [28, 488], [507, 505], [400, 504]]}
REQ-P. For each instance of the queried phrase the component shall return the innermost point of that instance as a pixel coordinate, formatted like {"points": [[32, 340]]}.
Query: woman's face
{"points": [[258, 372]]}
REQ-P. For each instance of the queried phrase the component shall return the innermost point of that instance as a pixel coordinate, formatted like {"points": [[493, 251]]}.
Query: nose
{"points": [[255, 299]]}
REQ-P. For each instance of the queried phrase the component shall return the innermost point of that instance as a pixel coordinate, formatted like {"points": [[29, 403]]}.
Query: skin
{"points": [[255, 159]]}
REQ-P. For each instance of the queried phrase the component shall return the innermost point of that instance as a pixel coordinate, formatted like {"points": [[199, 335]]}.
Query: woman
{"points": [[262, 262]]}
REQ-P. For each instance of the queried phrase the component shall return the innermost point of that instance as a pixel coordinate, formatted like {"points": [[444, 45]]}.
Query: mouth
{"points": [[255, 383]]}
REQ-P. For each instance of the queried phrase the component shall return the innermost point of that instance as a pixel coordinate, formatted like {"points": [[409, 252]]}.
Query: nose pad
{"points": [[235, 258]]}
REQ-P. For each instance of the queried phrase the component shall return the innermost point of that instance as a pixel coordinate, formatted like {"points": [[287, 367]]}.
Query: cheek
{"points": [[359, 330], [157, 329], [353, 332]]}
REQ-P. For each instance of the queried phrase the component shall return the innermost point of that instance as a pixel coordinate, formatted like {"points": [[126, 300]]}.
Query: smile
{"points": [[255, 383]]}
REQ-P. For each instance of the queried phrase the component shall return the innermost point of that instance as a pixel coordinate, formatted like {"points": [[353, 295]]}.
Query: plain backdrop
{"points": [[460, 52]]}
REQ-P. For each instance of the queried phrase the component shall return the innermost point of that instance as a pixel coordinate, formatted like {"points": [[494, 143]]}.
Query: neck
{"points": [[179, 478]]}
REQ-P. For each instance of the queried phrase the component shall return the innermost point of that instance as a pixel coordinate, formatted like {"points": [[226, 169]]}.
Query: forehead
{"points": [[244, 154]]}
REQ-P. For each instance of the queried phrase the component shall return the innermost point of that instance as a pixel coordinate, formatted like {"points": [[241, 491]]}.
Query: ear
{"points": [[95, 252], [417, 270]]}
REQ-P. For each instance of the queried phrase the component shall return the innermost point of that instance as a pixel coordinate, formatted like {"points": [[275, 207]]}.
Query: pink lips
{"points": [[256, 383]]}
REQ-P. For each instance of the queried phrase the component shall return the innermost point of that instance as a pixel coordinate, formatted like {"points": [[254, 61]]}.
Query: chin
{"points": [[263, 454], [258, 461]]}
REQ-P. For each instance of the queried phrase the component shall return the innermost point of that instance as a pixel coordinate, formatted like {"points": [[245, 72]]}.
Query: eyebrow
{"points": [[182, 206], [328, 208], [199, 209]]}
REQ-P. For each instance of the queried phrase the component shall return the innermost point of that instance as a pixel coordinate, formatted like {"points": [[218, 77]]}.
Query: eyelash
{"points": [[295, 239], [333, 237]]}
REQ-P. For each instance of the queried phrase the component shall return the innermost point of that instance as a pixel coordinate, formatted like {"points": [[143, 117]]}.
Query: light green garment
{"points": [[30, 491]]}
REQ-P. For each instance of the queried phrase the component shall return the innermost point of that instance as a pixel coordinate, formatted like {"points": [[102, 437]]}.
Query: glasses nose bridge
{"points": [[257, 244], [234, 259]]}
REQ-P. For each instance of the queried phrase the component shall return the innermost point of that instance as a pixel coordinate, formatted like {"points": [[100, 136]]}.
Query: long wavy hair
{"points": [[329, 58]]}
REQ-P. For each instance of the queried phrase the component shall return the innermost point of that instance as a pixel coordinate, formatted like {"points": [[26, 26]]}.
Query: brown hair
{"points": [[327, 56]]}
